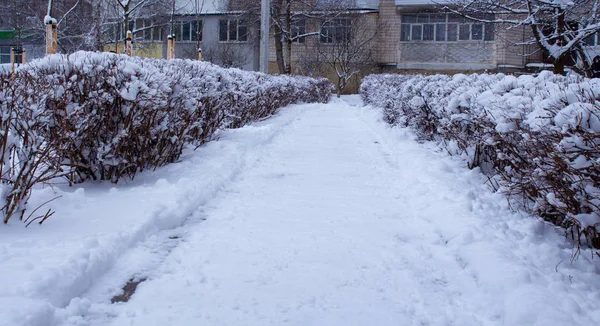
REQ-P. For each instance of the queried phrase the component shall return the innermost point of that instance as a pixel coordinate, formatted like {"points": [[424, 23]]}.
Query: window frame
{"points": [[454, 28], [233, 27], [335, 31], [596, 38], [298, 28], [187, 31], [5, 54]]}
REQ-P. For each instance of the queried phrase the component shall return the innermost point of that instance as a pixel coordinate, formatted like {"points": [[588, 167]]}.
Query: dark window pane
{"points": [[417, 32], [302, 31], [298, 28], [341, 31], [223, 30], [439, 18], [590, 40], [409, 19], [452, 32], [111, 32], [326, 33], [196, 30], [157, 34], [119, 32], [405, 32], [233, 30], [440, 32], [139, 26], [490, 30], [423, 18], [242, 32], [185, 31], [147, 31], [477, 32], [428, 31], [465, 32], [455, 19]]}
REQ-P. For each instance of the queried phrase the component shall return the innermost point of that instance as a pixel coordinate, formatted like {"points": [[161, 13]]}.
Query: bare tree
{"points": [[26, 18], [346, 46], [290, 20], [559, 27], [130, 9]]}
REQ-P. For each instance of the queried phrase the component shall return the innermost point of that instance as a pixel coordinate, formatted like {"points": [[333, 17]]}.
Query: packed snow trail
{"points": [[340, 220]]}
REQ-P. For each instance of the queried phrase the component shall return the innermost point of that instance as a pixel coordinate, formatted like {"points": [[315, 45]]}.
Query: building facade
{"points": [[411, 35]]}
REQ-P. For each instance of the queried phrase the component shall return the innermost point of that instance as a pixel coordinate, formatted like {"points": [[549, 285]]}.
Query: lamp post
{"points": [[265, 15], [51, 31], [171, 46], [128, 43]]}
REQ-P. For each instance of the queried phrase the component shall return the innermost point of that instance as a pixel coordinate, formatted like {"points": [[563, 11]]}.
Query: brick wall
{"points": [[510, 51], [389, 33]]}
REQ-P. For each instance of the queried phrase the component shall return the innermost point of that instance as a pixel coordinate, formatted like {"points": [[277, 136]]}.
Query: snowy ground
{"points": [[321, 215]]}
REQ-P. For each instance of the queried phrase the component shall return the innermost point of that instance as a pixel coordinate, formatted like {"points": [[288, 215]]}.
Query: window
{"points": [[443, 28], [144, 31], [157, 33], [188, 31], [336, 31], [196, 30], [114, 32], [231, 30], [592, 40], [298, 28], [4, 54]]}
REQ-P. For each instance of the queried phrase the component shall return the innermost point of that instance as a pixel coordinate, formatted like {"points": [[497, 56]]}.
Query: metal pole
{"points": [[265, 17], [49, 8]]}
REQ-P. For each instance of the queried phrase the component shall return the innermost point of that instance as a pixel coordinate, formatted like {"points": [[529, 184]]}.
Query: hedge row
{"points": [[536, 137], [105, 116]]}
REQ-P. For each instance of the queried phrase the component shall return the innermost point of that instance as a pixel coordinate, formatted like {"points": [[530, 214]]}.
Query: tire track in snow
{"points": [[148, 251]]}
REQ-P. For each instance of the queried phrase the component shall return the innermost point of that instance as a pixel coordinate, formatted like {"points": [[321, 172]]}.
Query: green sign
{"points": [[7, 35]]}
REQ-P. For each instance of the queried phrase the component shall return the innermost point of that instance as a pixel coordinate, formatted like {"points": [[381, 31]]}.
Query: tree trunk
{"points": [[559, 65], [277, 33], [288, 56], [279, 50], [126, 20], [96, 27], [561, 26], [287, 59]]}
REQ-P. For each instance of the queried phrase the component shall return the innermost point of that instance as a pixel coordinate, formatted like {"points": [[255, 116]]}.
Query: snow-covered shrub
{"points": [[537, 137], [116, 115], [104, 116], [27, 157]]}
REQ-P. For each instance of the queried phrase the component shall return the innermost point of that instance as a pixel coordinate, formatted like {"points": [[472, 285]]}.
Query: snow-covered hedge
{"points": [[104, 116], [537, 137]]}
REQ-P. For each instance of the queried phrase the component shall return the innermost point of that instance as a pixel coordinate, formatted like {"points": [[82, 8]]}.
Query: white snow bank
{"points": [[44, 267]]}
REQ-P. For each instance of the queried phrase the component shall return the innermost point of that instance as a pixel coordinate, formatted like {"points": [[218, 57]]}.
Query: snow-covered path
{"points": [[336, 219], [335, 223]]}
